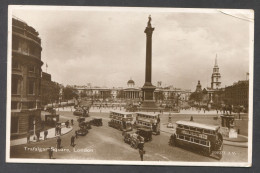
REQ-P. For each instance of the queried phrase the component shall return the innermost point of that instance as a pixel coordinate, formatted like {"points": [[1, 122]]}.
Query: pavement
{"points": [[106, 110], [51, 134]]}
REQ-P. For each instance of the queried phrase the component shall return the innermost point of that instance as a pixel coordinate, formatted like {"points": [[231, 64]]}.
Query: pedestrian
{"points": [[141, 152], [72, 140], [38, 136], [45, 134], [56, 130], [71, 122], [28, 137], [76, 134], [154, 127], [59, 130], [50, 151], [58, 142]]}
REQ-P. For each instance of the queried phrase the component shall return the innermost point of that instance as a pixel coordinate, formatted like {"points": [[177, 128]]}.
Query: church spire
{"points": [[216, 60], [216, 77]]}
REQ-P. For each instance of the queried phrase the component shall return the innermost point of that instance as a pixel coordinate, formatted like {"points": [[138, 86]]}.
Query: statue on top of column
{"points": [[149, 22]]}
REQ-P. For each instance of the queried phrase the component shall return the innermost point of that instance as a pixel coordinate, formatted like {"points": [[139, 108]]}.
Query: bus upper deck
{"points": [[197, 127], [121, 115]]}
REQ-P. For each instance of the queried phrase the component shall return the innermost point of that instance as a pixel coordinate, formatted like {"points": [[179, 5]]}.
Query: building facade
{"points": [[26, 78], [131, 92], [238, 94], [50, 91]]}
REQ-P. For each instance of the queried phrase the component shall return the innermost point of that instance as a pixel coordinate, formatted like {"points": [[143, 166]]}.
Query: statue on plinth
{"points": [[149, 22]]}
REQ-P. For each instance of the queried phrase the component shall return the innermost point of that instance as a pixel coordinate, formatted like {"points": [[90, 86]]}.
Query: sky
{"points": [[106, 46]]}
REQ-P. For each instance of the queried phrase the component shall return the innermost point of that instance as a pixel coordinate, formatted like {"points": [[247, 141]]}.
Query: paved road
{"points": [[106, 143]]}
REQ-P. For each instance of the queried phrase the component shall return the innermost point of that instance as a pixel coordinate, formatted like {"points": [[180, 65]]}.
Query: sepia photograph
{"points": [[130, 86]]}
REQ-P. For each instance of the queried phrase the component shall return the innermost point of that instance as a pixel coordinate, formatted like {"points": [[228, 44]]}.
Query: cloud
{"points": [[108, 47]]}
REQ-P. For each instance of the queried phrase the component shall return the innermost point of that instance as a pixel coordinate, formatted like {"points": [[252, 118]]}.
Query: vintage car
{"points": [[51, 119], [145, 133], [82, 132], [85, 125], [78, 112], [133, 139], [81, 119], [96, 122]]}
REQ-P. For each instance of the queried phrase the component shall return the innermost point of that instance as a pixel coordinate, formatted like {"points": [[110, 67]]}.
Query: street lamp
{"points": [[34, 128]]}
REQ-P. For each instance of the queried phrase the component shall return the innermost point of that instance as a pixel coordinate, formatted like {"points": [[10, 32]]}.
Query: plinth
{"points": [[227, 126]]}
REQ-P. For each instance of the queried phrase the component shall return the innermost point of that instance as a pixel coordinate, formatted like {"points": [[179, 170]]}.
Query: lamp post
{"points": [[34, 133]]}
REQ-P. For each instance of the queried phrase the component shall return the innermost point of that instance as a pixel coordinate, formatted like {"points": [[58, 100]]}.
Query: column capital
{"points": [[149, 31]]}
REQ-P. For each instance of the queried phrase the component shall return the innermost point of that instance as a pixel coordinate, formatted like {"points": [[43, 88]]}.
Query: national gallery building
{"points": [[131, 92]]}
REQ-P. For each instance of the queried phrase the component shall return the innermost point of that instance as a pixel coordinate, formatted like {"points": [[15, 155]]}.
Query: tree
{"points": [[49, 92], [159, 95], [69, 93], [83, 94], [196, 96]]}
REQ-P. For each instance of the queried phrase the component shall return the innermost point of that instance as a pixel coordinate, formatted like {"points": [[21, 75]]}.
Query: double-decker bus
{"points": [[121, 120], [149, 121], [198, 137]]}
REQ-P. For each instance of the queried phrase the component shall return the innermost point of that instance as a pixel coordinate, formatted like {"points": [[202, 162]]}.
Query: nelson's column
{"points": [[148, 103]]}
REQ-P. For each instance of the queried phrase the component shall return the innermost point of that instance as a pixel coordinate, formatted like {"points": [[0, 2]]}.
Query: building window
{"points": [[31, 105], [14, 105], [31, 87], [15, 43], [23, 47], [31, 68], [15, 86]]}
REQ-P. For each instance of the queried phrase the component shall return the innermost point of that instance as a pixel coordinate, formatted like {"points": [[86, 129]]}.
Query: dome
{"points": [[130, 82]]}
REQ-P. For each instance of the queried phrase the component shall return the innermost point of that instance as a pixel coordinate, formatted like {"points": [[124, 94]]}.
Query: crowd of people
{"points": [[59, 140]]}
